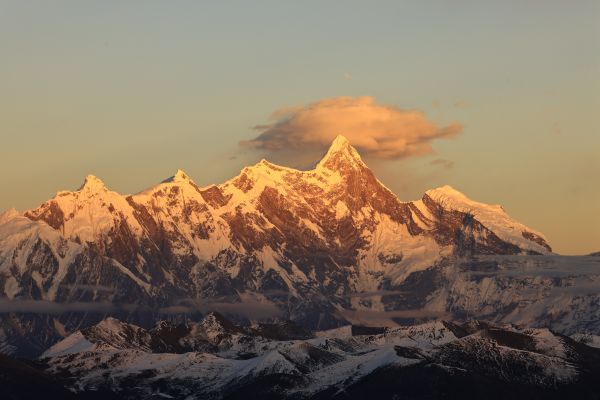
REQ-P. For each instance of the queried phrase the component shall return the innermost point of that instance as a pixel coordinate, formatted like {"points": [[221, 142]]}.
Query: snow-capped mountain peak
{"points": [[445, 190], [341, 156], [492, 216], [86, 215], [92, 184], [180, 176]]}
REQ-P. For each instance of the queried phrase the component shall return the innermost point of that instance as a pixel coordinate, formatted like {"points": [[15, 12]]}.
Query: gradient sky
{"points": [[132, 91]]}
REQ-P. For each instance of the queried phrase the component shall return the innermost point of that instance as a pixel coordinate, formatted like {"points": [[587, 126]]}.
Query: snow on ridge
{"points": [[18, 236], [8, 215], [492, 216], [587, 339], [72, 344]]}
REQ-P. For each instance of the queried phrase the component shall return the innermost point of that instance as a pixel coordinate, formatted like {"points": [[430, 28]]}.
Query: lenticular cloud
{"points": [[376, 130]]}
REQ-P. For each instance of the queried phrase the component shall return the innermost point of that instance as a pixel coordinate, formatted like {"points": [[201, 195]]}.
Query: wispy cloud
{"points": [[50, 307], [460, 104], [446, 164], [252, 306], [385, 318]]}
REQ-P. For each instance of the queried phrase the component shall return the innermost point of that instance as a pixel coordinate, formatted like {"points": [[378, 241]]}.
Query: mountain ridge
{"points": [[341, 157], [303, 245], [222, 359]]}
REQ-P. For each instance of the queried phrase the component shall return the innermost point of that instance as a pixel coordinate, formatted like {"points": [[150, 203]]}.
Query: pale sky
{"points": [[132, 91]]}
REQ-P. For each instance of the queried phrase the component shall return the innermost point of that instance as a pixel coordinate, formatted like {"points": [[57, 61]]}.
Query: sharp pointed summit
{"points": [[180, 176], [92, 184], [341, 155], [339, 142]]}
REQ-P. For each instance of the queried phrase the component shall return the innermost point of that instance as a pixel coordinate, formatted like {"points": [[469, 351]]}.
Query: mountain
{"points": [[322, 248], [470, 360], [214, 333]]}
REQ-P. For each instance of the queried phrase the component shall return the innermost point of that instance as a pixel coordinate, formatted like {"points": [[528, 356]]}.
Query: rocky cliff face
{"points": [[304, 245]]}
